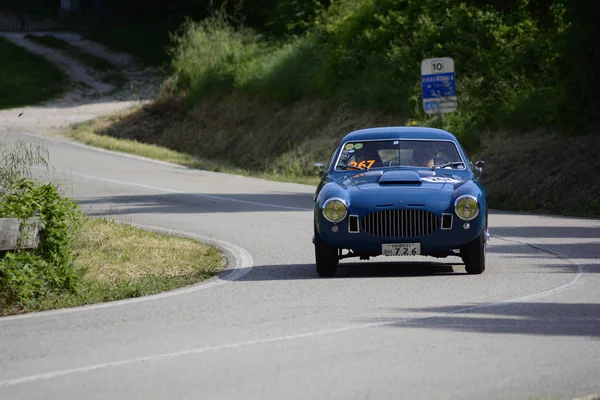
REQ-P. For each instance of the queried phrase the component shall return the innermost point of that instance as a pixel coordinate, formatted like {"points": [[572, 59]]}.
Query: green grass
{"points": [[120, 261], [109, 70], [27, 79], [86, 133], [148, 43]]}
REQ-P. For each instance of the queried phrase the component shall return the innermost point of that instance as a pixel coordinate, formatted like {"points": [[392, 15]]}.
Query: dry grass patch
{"points": [[86, 133], [111, 252]]}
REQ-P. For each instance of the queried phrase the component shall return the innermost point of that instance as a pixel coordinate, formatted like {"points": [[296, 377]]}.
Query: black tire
{"points": [[473, 254], [326, 258]]}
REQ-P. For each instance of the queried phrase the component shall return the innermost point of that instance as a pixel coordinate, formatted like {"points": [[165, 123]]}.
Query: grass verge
{"points": [[88, 133], [121, 261], [26, 78], [106, 68]]}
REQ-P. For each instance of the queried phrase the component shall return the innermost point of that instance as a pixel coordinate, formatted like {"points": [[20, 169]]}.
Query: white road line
{"points": [[73, 143], [239, 260], [201, 350], [206, 196]]}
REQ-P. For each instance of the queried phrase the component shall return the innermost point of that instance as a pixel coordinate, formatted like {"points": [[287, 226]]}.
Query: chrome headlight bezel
{"points": [[329, 201], [466, 196]]}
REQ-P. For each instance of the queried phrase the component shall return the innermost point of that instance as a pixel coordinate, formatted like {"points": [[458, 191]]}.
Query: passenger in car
{"points": [[370, 152]]}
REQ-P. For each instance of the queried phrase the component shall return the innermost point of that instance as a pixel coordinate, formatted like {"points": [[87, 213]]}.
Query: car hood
{"points": [[401, 179], [401, 188]]}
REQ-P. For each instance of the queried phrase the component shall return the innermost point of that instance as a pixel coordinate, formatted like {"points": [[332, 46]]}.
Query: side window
{"points": [[346, 157], [464, 152], [332, 158], [466, 155]]}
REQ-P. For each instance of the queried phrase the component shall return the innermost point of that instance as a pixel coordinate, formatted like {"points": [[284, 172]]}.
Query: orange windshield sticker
{"points": [[363, 164]]}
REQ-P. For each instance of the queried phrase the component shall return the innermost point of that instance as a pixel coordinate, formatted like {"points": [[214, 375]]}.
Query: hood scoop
{"points": [[400, 178]]}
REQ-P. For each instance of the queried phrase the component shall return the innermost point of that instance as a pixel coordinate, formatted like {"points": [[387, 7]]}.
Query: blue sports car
{"points": [[400, 191]]}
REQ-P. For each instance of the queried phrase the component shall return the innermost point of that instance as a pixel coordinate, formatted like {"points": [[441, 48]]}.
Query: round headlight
{"points": [[466, 207], [334, 210]]}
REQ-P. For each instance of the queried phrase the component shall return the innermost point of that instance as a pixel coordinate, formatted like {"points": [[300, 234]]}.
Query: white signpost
{"points": [[438, 83]]}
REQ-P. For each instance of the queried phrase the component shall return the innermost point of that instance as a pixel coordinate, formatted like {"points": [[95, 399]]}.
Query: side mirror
{"points": [[479, 166], [320, 169]]}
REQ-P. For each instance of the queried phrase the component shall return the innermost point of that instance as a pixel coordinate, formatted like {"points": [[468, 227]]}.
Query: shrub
{"points": [[27, 274]]}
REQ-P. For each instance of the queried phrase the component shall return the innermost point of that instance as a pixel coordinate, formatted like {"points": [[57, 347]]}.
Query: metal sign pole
{"points": [[22, 14]]}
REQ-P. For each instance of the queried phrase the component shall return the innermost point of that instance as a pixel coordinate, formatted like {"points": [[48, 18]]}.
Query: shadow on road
{"points": [[574, 250], [181, 203], [587, 232], [542, 319], [368, 269]]}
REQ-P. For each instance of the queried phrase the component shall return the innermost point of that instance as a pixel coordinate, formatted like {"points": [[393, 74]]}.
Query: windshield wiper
{"points": [[448, 164], [348, 167]]}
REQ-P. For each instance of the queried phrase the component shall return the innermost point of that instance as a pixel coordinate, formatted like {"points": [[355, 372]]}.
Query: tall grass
{"points": [[16, 160]]}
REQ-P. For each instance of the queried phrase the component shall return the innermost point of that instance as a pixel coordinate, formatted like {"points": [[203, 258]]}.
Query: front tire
{"points": [[326, 258], [473, 254]]}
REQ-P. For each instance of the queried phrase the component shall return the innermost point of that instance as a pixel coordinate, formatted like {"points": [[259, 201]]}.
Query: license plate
{"points": [[401, 249]]}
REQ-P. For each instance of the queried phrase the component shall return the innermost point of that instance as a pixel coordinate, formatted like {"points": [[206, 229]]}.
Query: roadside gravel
{"points": [[88, 97]]}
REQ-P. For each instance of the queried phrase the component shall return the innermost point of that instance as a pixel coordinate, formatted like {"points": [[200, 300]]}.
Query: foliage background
{"points": [[519, 63]]}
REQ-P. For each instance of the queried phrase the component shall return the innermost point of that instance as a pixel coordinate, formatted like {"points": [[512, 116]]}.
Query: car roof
{"points": [[399, 132]]}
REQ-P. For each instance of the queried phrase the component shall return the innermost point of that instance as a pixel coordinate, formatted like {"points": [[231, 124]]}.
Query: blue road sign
{"points": [[436, 86]]}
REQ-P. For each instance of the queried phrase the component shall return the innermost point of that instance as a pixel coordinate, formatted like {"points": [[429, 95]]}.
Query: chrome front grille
{"points": [[400, 223]]}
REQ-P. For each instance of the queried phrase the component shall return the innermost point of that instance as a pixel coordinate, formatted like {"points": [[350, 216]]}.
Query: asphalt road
{"points": [[269, 328]]}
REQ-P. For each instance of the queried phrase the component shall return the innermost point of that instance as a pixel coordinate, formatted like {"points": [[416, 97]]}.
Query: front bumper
{"points": [[441, 241]]}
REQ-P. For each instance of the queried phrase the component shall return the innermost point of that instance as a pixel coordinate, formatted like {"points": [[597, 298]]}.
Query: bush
{"points": [[28, 274]]}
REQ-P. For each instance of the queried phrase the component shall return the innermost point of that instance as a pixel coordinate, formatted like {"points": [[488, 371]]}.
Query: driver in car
{"points": [[424, 155]]}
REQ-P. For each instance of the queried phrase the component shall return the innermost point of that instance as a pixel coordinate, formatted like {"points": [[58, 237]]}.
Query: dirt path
{"points": [[88, 96]]}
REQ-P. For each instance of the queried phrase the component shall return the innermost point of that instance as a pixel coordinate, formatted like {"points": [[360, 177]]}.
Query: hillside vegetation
{"points": [[275, 90]]}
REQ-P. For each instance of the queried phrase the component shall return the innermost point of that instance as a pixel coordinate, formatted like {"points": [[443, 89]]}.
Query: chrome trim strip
{"points": [[350, 218], [400, 223], [451, 221]]}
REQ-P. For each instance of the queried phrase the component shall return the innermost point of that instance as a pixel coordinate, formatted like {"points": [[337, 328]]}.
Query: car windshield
{"points": [[399, 152]]}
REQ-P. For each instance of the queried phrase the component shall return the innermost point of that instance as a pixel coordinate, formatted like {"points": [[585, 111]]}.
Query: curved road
{"points": [[269, 328]]}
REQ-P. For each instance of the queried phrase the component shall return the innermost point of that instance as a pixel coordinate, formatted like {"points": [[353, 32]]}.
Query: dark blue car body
{"points": [[400, 204]]}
